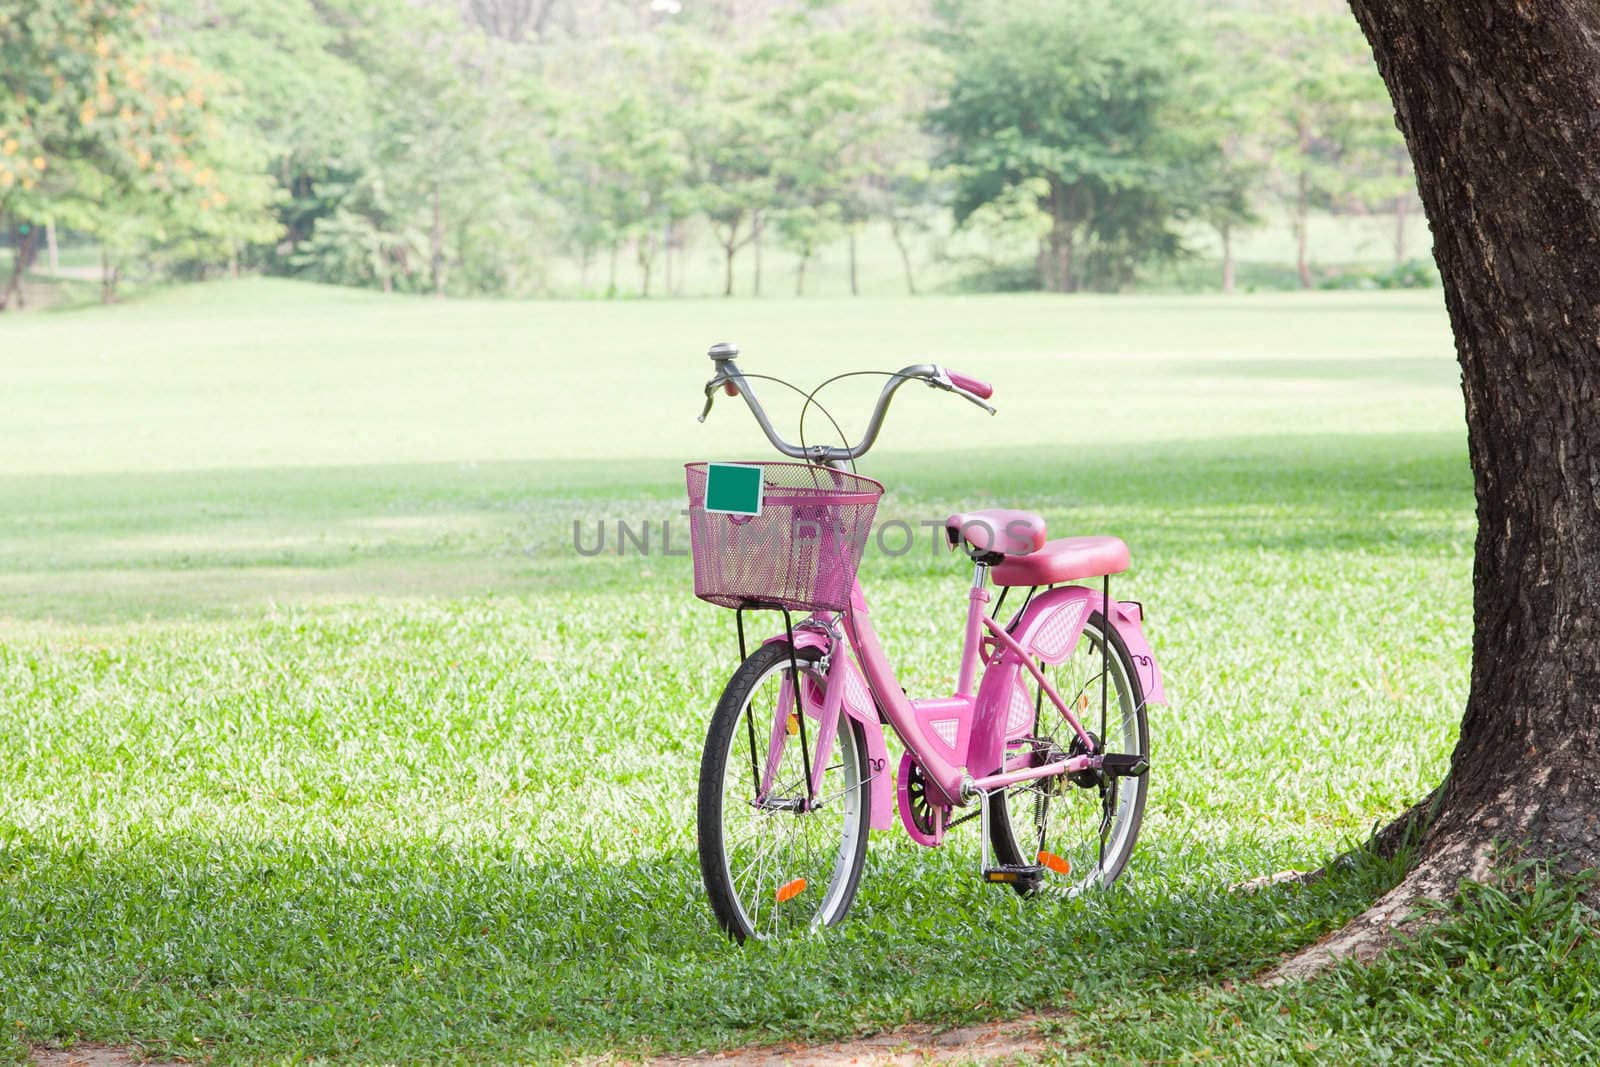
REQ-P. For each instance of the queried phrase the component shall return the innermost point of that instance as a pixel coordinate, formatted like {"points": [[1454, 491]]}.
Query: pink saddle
{"points": [[1029, 558]]}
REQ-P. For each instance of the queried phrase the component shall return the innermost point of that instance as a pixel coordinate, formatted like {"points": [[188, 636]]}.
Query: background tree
{"points": [[730, 138], [1088, 100], [106, 130], [1323, 113]]}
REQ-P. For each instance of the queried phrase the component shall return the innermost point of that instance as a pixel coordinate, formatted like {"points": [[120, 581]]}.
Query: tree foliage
{"points": [[467, 146], [1086, 108]]}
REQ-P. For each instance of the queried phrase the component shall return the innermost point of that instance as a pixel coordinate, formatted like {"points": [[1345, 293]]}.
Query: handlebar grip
{"points": [[972, 385]]}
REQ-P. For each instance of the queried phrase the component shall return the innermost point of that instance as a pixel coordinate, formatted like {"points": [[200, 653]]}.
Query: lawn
{"points": [[319, 739]]}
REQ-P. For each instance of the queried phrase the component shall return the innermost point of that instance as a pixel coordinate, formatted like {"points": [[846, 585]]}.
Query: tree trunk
{"points": [[855, 286], [51, 247], [644, 250], [611, 285], [26, 245], [1226, 229], [1057, 274], [898, 235], [108, 278], [1302, 205], [1402, 208], [728, 250], [800, 274], [436, 244], [666, 258], [757, 225], [1499, 101]]}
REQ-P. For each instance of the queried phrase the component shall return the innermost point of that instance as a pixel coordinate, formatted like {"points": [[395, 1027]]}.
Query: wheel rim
{"points": [[771, 847], [1091, 828]]}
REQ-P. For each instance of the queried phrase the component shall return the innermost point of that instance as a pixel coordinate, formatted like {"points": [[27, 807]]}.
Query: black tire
{"points": [[747, 853], [1092, 822]]}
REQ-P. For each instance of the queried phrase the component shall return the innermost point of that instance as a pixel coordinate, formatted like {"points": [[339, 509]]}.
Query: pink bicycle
{"points": [[1049, 747]]}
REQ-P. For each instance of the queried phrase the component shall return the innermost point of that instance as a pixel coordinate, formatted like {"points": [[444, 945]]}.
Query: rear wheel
{"points": [[770, 867], [1081, 827]]}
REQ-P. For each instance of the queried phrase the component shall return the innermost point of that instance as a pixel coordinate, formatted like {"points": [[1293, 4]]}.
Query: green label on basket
{"points": [[733, 489]]}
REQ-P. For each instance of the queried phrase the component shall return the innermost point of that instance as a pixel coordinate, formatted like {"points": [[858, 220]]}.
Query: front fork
{"points": [[791, 710]]}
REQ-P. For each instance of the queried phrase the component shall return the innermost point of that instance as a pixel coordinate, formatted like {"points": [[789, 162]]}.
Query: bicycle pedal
{"points": [[1125, 764], [1009, 873]]}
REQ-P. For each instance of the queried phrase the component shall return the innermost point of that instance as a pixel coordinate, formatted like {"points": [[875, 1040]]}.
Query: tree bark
{"points": [[855, 286], [51, 247], [1499, 102]]}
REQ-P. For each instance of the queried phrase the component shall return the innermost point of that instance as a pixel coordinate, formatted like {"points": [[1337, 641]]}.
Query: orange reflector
{"points": [[793, 725], [790, 890], [1000, 876], [1054, 862], [1083, 703]]}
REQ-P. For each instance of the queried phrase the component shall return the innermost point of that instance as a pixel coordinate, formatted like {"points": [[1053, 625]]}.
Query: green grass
{"points": [[318, 739], [1508, 976]]}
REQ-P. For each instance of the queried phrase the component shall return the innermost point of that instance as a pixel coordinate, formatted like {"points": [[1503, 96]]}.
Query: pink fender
{"points": [[1049, 629], [859, 706]]}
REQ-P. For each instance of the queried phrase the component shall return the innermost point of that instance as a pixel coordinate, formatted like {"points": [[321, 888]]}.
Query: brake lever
{"points": [[711, 396], [950, 387], [963, 394]]}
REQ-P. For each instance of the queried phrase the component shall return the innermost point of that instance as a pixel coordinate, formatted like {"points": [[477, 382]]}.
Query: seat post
{"points": [[977, 598]]}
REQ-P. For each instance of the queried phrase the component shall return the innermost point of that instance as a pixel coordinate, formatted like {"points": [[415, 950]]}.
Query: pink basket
{"points": [[801, 552]]}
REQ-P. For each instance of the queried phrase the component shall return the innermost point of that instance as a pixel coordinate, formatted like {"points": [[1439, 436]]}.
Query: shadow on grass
{"points": [[198, 543], [402, 949]]}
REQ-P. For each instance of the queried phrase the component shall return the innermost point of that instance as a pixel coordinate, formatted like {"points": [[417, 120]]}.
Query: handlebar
{"points": [[729, 378]]}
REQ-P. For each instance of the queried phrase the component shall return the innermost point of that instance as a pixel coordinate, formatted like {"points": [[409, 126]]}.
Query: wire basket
{"points": [[801, 552]]}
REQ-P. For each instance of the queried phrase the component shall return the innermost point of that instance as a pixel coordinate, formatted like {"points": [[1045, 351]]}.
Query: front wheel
{"points": [[770, 866], [1081, 827]]}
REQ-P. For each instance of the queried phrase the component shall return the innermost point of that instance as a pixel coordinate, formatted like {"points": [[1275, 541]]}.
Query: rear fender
{"points": [[1048, 629], [859, 706]]}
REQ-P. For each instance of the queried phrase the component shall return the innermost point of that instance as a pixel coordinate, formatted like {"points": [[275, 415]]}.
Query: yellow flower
{"points": [[102, 47], [203, 176], [7, 179], [10, 146], [86, 114], [38, 163]]}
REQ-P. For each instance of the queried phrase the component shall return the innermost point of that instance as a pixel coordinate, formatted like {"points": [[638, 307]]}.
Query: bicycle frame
{"points": [[959, 742]]}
